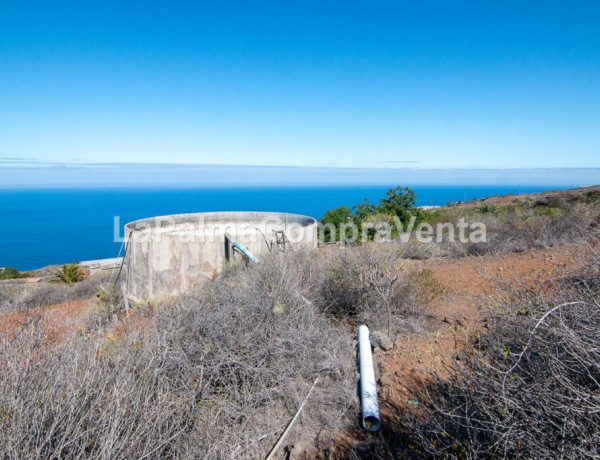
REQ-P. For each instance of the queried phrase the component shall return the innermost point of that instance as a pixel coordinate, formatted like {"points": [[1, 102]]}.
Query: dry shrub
{"points": [[215, 374], [81, 398], [342, 294], [417, 250], [8, 298], [367, 284], [46, 294], [53, 293], [540, 227], [415, 294], [516, 227], [528, 387]]}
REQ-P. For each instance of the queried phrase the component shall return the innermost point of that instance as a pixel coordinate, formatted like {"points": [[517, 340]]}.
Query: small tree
{"points": [[379, 227], [400, 201], [335, 218]]}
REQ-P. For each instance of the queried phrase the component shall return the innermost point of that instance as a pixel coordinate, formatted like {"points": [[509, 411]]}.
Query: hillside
{"points": [[219, 373]]}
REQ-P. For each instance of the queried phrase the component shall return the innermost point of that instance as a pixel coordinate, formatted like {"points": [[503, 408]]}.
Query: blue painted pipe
{"points": [[251, 257]]}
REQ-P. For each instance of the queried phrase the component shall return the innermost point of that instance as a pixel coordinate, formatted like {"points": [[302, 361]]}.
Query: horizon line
{"points": [[14, 163]]}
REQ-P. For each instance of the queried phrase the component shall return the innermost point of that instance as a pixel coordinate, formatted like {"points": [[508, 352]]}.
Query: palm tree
{"points": [[69, 273]]}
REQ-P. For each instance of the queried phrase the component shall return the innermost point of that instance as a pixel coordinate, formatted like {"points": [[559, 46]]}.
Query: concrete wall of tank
{"points": [[169, 255]]}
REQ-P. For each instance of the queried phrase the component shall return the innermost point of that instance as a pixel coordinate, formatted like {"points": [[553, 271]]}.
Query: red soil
{"points": [[457, 313], [57, 320]]}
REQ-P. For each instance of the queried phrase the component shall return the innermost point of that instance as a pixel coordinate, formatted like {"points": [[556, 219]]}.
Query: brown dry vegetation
{"points": [[215, 374], [31, 296], [486, 363]]}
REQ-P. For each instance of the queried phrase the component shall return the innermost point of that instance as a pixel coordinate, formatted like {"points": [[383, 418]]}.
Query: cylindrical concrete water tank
{"points": [[168, 255]]}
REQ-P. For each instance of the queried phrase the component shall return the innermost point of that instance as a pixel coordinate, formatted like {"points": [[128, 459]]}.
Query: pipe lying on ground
{"points": [[368, 388]]}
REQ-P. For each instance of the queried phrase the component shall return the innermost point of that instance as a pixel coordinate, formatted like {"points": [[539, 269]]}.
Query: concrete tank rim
{"points": [[304, 220]]}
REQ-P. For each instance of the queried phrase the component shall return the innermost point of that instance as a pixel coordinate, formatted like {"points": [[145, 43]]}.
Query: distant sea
{"points": [[41, 227]]}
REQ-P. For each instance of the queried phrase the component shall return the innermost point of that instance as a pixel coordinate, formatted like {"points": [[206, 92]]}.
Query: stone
{"points": [[381, 340], [383, 368], [387, 380], [302, 451]]}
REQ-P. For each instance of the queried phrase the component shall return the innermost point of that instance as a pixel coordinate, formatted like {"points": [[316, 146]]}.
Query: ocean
{"points": [[42, 227]]}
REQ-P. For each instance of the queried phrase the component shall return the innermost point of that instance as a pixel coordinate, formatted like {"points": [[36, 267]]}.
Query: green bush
{"points": [[397, 205], [10, 273], [592, 197], [335, 218]]}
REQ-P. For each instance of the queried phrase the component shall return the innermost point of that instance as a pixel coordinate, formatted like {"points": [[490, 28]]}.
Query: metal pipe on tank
{"points": [[251, 257], [371, 420]]}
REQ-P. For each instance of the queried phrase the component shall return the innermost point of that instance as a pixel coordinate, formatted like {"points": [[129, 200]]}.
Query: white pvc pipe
{"points": [[368, 388]]}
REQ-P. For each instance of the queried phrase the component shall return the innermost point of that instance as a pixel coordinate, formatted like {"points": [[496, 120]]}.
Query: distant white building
{"points": [[96, 266]]}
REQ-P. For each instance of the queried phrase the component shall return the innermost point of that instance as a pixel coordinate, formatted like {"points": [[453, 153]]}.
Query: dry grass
{"points": [[516, 227]]}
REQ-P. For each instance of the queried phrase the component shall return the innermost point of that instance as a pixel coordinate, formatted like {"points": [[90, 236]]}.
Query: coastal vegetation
{"points": [[29, 297], [10, 273], [511, 223], [399, 205], [220, 372]]}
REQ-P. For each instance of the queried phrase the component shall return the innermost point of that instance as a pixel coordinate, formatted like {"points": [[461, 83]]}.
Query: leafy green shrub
{"points": [[332, 222], [551, 211], [592, 197], [380, 227], [10, 273], [398, 204]]}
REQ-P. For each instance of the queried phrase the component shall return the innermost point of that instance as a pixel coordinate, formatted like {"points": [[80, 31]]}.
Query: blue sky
{"points": [[380, 85]]}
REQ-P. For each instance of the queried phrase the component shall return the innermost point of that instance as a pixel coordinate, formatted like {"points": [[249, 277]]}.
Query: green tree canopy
{"points": [[332, 222], [363, 210], [398, 202]]}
